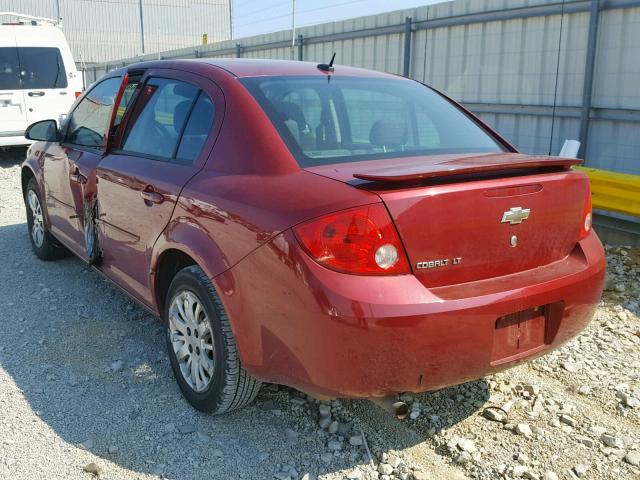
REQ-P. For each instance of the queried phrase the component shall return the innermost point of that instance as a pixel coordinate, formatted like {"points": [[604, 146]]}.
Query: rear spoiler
{"points": [[462, 166]]}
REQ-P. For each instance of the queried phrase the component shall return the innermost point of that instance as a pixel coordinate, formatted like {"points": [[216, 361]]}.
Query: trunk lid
{"points": [[460, 227]]}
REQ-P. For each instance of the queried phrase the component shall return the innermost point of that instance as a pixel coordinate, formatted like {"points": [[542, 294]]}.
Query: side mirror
{"points": [[44, 131]]}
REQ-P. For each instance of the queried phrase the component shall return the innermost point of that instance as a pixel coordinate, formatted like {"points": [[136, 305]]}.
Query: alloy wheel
{"points": [[192, 340], [37, 228]]}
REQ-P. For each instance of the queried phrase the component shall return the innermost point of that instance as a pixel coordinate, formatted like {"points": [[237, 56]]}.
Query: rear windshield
{"points": [[347, 119], [31, 68]]}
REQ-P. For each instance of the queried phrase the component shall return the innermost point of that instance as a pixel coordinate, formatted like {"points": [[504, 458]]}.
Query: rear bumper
{"points": [[327, 333]]}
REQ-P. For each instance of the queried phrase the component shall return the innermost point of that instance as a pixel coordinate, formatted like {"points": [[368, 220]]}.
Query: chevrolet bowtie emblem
{"points": [[515, 215]]}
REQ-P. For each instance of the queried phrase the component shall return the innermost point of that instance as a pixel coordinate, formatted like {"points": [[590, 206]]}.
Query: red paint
{"points": [[349, 240], [114, 112], [299, 323]]}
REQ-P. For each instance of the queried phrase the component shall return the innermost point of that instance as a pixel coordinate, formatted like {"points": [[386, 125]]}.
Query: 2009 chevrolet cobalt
{"points": [[346, 232]]}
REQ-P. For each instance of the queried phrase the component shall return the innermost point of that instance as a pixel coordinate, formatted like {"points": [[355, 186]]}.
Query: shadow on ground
{"points": [[69, 329], [12, 156]]}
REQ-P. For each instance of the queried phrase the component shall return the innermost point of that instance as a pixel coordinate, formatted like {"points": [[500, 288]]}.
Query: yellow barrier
{"points": [[617, 192]]}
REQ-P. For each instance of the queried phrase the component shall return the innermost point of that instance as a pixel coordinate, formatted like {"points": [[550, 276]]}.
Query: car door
{"points": [[164, 143], [13, 117], [67, 165]]}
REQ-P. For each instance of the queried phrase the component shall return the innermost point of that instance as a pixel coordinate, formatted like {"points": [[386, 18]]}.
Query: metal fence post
{"points": [[300, 40], [238, 50], [406, 68], [141, 25], [587, 89]]}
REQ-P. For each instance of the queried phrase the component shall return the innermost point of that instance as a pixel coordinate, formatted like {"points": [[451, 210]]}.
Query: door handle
{"points": [[151, 196], [77, 177], [36, 94]]}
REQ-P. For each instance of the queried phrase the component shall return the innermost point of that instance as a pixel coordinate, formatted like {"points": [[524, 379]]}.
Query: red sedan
{"points": [[346, 232]]}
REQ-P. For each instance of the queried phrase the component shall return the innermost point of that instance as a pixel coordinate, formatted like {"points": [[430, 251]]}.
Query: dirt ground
{"points": [[84, 379]]}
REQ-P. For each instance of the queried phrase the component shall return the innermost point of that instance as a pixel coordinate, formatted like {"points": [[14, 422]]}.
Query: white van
{"points": [[38, 78]]}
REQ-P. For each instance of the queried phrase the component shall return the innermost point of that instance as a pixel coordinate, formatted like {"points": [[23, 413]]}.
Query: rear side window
{"points": [[41, 67], [161, 115], [88, 122], [197, 130], [171, 120], [9, 69]]}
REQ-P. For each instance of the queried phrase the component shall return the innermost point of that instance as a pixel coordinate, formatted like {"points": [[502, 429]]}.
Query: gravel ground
{"points": [[85, 384]]}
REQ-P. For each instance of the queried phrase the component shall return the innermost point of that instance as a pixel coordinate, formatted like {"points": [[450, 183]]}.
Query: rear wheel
{"points": [[201, 346], [44, 245]]}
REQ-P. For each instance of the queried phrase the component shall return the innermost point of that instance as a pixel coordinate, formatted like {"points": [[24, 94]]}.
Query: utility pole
{"points": [[141, 26], [230, 19], [58, 11], [293, 27]]}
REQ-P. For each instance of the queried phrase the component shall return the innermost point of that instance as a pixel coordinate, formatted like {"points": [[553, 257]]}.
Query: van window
{"points": [[9, 69], [41, 67], [88, 122], [31, 67], [158, 117]]}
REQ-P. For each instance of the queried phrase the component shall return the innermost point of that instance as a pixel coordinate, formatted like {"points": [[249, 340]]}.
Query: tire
{"points": [[44, 245], [229, 386]]}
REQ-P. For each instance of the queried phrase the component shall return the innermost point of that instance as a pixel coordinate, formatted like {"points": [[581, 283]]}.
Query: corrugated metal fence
{"points": [[102, 30], [539, 71]]}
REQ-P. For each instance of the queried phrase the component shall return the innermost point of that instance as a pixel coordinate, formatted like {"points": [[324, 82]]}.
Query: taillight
{"points": [[587, 219], [78, 94], [360, 241]]}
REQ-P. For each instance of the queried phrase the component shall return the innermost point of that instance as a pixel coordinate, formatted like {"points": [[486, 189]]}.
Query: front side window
{"points": [[87, 125], [125, 101], [347, 119], [159, 117], [9, 69], [41, 67]]}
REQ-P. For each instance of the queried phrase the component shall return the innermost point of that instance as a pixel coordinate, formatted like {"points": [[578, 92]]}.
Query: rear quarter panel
{"points": [[220, 219]]}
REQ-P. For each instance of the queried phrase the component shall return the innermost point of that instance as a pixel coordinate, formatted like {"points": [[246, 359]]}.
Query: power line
{"points": [[333, 5], [263, 20], [309, 10], [160, 3], [287, 2]]}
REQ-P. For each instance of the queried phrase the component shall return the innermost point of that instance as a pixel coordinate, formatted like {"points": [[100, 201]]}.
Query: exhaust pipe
{"points": [[393, 405]]}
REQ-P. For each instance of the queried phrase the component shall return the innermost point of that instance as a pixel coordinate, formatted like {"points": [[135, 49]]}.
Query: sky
{"points": [[253, 17]]}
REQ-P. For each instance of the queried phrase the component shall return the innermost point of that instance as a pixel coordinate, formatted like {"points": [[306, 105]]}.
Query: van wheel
{"points": [[44, 245], [201, 346]]}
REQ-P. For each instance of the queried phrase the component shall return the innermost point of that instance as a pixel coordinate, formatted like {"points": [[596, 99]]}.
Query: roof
{"points": [[246, 67]]}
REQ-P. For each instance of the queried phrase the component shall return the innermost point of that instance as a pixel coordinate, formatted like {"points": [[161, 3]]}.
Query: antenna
{"points": [[327, 67], [555, 91]]}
